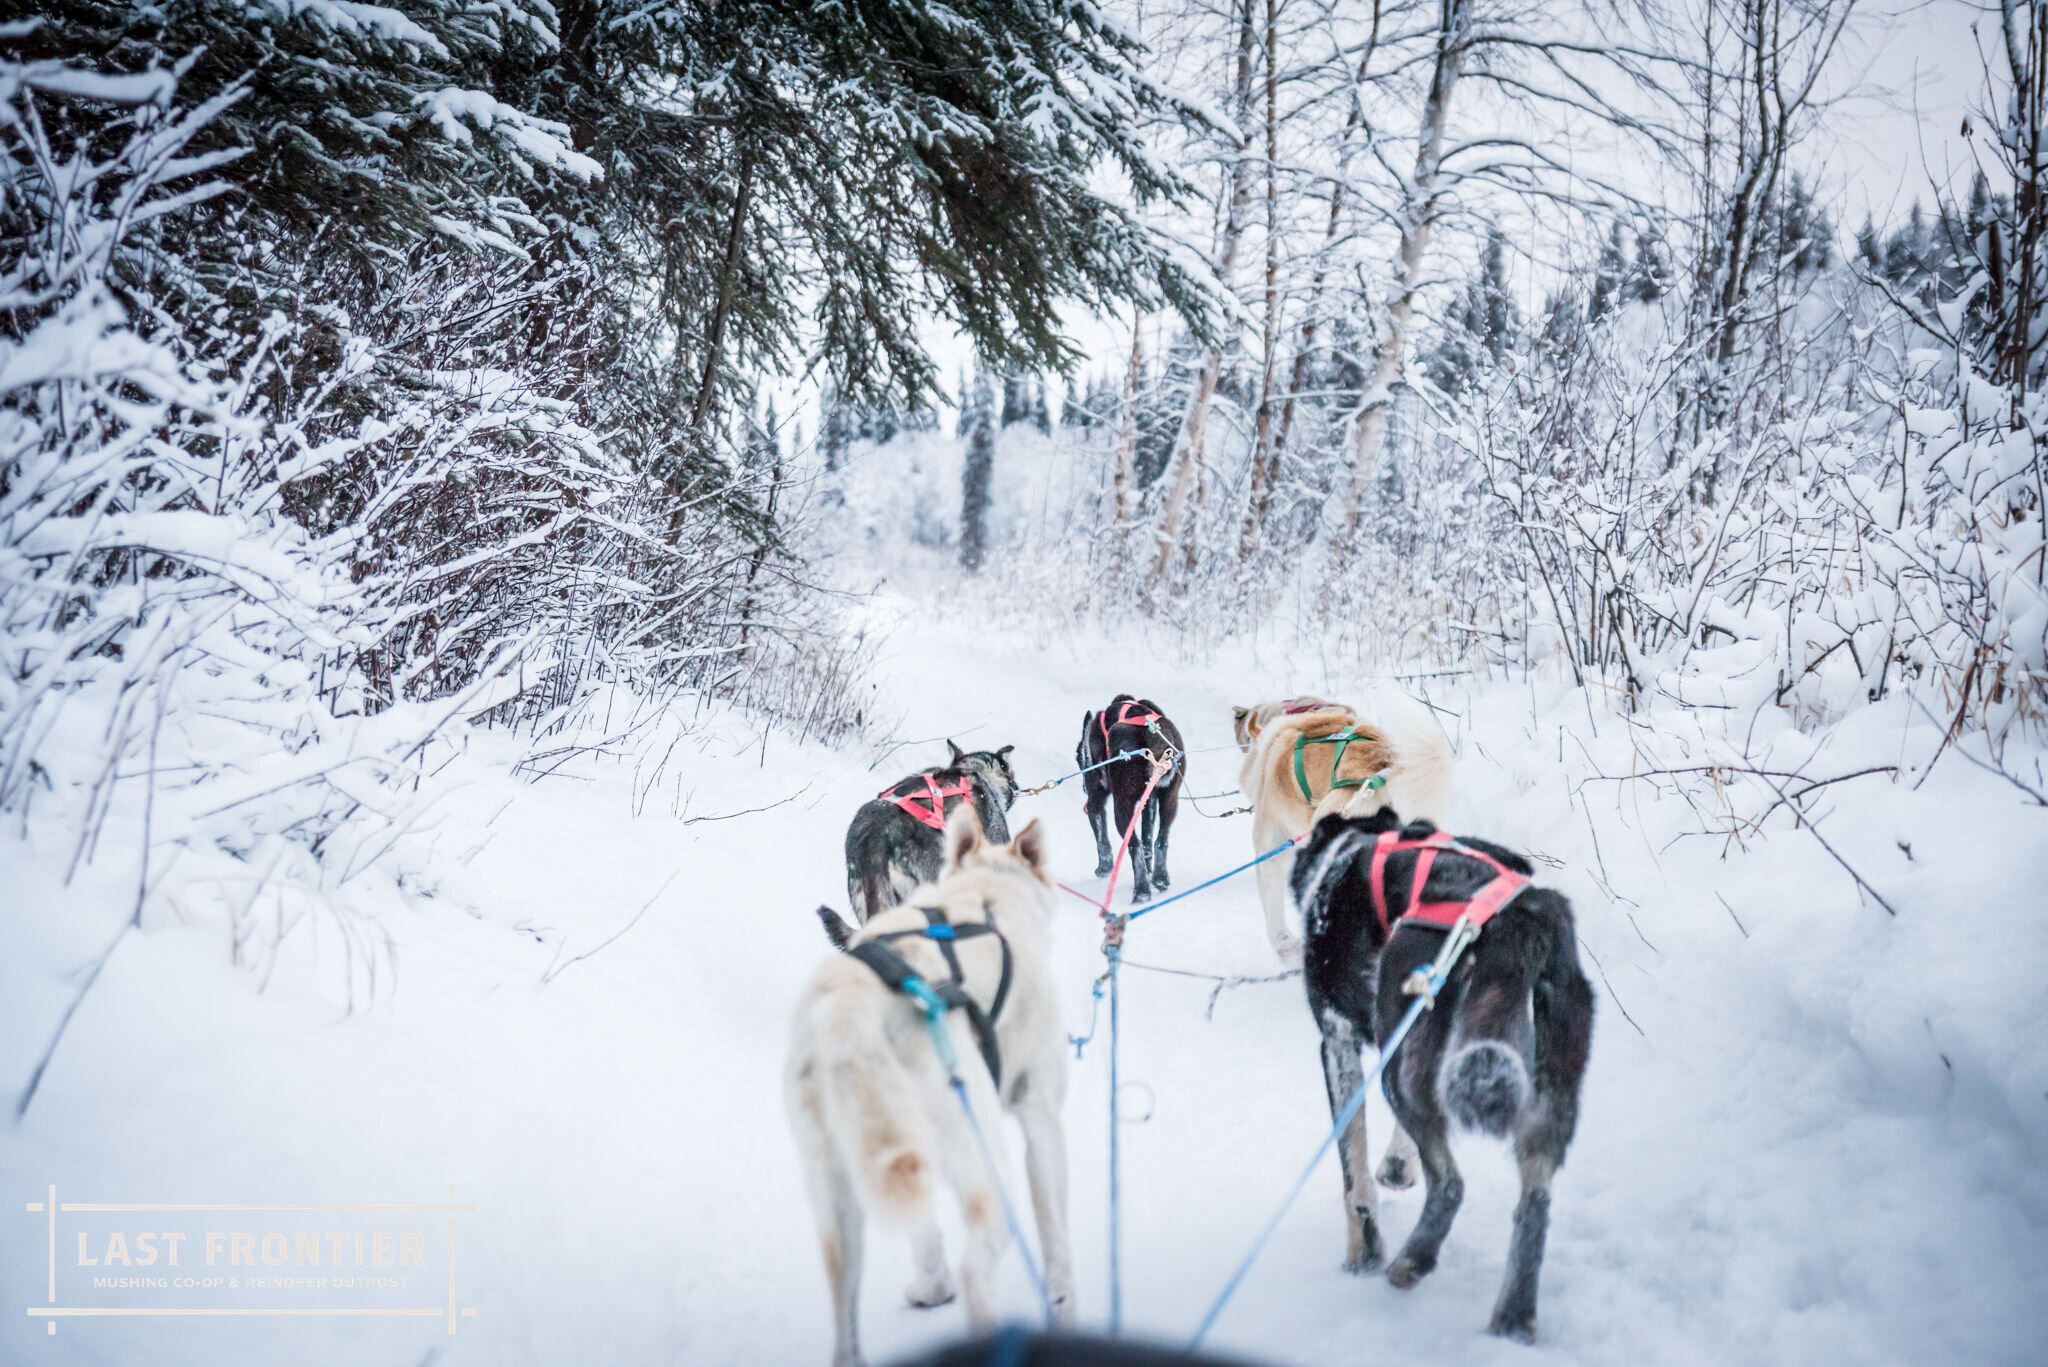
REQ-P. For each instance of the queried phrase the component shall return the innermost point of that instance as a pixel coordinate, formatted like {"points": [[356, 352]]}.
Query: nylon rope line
{"points": [[988, 1159], [1113, 759], [1232, 873], [935, 1011], [1112, 942], [1423, 984]]}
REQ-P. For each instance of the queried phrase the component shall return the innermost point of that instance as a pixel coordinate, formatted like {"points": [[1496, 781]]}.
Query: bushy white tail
{"points": [[1419, 779]]}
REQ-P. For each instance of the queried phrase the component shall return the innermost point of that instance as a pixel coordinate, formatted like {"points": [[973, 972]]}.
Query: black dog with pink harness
{"points": [[1118, 748], [1503, 1050], [896, 840]]}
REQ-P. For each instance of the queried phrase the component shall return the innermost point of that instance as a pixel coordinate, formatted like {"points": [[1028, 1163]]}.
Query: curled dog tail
{"points": [[1420, 773], [1489, 1071], [1486, 1086]]}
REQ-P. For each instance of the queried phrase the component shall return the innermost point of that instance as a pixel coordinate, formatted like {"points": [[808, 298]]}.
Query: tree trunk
{"points": [[1127, 430], [1261, 506], [721, 313], [1263, 455], [1418, 217], [1187, 450]]}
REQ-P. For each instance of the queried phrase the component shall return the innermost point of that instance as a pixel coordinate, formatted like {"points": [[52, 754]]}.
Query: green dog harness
{"points": [[1340, 739]]}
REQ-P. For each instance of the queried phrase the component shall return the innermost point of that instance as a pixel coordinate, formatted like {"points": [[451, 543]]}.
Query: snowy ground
{"points": [[1822, 1137]]}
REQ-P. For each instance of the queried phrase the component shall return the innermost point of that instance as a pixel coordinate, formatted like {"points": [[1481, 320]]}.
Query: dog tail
{"points": [[836, 929], [1419, 774], [869, 887], [1488, 1074], [1486, 1085]]}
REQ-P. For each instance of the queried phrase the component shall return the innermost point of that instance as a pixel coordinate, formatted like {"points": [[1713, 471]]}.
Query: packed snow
{"points": [[1813, 1129]]}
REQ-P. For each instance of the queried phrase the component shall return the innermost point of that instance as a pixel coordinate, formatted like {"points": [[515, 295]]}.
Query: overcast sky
{"points": [[1919, 63]]}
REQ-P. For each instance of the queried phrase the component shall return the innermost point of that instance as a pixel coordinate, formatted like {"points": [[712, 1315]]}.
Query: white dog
{"points": [[875, 1121]]}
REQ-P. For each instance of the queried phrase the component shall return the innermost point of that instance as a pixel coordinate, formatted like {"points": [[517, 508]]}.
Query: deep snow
{"points": [[1821, 1140]]}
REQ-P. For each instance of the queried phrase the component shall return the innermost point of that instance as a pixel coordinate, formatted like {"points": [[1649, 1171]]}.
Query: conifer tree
{"points": [[976, 472]]}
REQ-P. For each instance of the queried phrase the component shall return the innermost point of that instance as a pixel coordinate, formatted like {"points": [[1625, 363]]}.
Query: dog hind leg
{"points": [[1045, 1167], [1399, 1165], [1425, 1121], [933, 1283], [836, 1207], [1128, 822], [1538, 1154], [1272, 880], [1098, 821], [1343, 1075], [1163, 812]]}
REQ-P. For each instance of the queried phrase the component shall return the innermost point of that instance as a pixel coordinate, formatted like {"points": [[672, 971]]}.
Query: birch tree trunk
{"points": [[1187, 448], [1263, 462], [1418, 217], [1260, 506]]}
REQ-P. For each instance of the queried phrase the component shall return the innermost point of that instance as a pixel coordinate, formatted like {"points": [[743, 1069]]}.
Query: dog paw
{"points": [[929, 1293], [1289, 950], [1397, 1172], [1520, 1329], [1140, 894], [1366, 1264], [1407, 1271], [1160, 881]]}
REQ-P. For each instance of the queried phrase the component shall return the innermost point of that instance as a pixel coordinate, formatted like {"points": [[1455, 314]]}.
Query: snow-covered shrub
{"points": [[170, 634]]}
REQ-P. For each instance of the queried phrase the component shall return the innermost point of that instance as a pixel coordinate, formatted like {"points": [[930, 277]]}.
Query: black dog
{"points": [[1131, 726], [1503, 1051], [895, 841]]}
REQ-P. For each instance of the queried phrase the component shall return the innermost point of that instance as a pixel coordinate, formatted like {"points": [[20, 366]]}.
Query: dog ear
{"points": [[1252, 724], [1004, 753], [1238, 714], [955, 755], [1384, 818], [1029, 846], [963, 835]]}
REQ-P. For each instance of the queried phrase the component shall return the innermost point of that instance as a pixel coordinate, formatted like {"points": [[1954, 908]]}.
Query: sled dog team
{"points": [[952, 910]]}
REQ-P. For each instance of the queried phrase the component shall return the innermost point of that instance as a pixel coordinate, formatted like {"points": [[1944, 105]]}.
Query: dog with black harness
{"points": [[1503, 1050], [893, 841], [1136, 729], [877, 1124]]}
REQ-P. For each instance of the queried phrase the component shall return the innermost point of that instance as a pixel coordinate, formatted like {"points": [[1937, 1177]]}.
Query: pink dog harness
{"points": [[933, 814], [1478, 909]]}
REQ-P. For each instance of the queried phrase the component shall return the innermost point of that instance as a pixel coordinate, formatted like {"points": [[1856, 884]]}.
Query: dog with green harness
{"points": [[1303, 765]]}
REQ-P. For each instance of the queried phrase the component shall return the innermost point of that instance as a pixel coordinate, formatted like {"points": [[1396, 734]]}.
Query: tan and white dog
{"points": [[1289, 793], [875, 1122], [1247, 721]]}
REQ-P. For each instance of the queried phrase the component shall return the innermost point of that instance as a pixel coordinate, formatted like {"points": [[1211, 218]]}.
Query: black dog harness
{"points": [[897, 974]]}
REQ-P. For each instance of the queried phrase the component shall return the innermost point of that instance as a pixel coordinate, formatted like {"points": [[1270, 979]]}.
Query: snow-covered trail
{"points": [[1821, 1136]]}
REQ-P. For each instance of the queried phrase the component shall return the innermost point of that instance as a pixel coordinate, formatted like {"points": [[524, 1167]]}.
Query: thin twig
{"points": [[1609, 986], [556, 972]]}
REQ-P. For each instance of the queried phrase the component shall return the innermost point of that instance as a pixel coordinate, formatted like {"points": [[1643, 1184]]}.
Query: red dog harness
{"points": [[1123, 718], [1299, 706], [1478, 909], [934, 814]]}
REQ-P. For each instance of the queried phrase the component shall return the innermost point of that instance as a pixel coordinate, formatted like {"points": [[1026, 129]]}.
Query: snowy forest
{"points": [[487, 487]]}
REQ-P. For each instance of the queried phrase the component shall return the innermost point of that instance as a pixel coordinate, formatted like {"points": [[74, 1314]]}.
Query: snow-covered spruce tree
{"points": [[977, 471], [451, 208]]}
